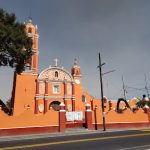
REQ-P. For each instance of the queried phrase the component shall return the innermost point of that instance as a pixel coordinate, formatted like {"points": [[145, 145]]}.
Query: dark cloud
{"points": [[82, 28]]}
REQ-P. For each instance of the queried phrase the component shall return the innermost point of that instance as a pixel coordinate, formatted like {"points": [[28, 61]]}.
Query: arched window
{"points": [[56, 74], [30, 30], [83, 98], [55, 105]]}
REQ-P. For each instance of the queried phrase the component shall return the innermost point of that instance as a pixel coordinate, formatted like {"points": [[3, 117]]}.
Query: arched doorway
{"points": [[55, 105]]}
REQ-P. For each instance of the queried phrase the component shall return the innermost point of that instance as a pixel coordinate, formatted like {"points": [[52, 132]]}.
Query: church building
{"points": [[43, 91], [54, 100]]}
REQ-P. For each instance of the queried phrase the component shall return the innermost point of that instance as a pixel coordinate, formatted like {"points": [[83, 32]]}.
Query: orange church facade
{"points": [[54, 85], [54, 100]]}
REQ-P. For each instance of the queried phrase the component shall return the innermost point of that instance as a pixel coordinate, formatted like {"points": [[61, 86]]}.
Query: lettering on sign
{"points": [[74, 116]]}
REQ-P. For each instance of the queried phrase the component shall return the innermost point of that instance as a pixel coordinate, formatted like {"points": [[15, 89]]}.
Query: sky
{"points": [[69, 29]]}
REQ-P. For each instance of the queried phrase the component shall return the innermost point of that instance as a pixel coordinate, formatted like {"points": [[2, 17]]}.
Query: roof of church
{"points": [[50, 74]]}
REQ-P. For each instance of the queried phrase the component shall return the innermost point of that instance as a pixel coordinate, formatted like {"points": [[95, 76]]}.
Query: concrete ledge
{"points": [[28, 130], [123, 125]]}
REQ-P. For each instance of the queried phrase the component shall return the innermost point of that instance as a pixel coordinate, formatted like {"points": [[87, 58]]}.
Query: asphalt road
{"points": [[118, 140]]}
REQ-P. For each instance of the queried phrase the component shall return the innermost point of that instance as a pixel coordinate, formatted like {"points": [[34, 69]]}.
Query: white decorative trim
{"points": [[34, 50], [88, 105], [88, 110], [46, 80], [53, 97], [30, 34], [56, 81], [62, 111], [58, 97], [39, 97], [40, 81], [46, 98], [62, 104]]}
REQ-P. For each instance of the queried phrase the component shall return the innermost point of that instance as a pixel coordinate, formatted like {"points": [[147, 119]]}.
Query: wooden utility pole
{"points": [[102, 98]]}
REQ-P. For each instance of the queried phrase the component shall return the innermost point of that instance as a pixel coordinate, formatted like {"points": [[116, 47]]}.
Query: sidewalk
{"points": [[70, 131]]}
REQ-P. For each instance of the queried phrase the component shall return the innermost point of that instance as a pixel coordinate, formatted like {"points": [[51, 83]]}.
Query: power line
{"points": [[134, 88]]}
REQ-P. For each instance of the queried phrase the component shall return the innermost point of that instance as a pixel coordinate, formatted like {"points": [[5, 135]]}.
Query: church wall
{"points": [[119, 120], [79, 105], [127, 116], [24, 96], [28, 119]]}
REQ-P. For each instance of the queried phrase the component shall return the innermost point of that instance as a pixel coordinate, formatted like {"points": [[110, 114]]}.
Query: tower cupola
{"points": [[75, 69]]}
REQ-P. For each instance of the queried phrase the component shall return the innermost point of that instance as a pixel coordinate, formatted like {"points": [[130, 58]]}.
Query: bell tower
{"points": [[32, 31], [76, 72], [24, 86]]}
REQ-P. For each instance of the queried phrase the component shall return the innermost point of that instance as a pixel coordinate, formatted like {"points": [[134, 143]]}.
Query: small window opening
{"points": [[83, 98], [56, 74], [30, 30]]}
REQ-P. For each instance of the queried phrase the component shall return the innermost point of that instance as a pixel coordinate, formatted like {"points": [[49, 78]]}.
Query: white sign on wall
{"points": [[72, 116]]}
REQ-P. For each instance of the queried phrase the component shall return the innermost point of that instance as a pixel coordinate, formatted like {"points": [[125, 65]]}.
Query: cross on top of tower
{"points": [[56, 62], [75, 62]]}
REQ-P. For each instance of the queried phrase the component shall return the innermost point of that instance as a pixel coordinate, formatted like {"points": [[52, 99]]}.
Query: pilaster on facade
{"points": [[46, 87], [36, 107], [37, 87], [45, 98], [45, 106]]}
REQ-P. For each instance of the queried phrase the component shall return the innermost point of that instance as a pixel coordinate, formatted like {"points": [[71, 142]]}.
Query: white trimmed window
{"points": [[56, 89]]}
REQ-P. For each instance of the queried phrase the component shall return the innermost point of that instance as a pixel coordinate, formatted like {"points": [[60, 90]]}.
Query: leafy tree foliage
{"points": [[15, 45]]}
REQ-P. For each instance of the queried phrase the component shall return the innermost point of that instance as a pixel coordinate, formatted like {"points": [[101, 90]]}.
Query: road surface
{"points": [[118, 140]]}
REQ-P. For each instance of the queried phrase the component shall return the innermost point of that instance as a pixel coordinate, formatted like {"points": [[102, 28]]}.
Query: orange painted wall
{"points": [[112, 116], [28, 119], [127, 116], [25, 88]]}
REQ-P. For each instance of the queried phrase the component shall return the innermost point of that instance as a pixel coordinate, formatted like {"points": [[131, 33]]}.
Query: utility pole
{"points": [[124, 89], [146, 88], [102, 98]]}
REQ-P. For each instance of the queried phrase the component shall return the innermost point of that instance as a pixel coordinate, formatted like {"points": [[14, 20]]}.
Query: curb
{"points": [[58, 134]]}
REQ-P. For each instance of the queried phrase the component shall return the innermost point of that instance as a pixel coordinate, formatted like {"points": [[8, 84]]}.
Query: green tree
{"points": [[15, 45]]}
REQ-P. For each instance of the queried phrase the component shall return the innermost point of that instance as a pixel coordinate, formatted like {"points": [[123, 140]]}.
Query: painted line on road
{"points": [[72, 141], [145, 130], [128, 148]]}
